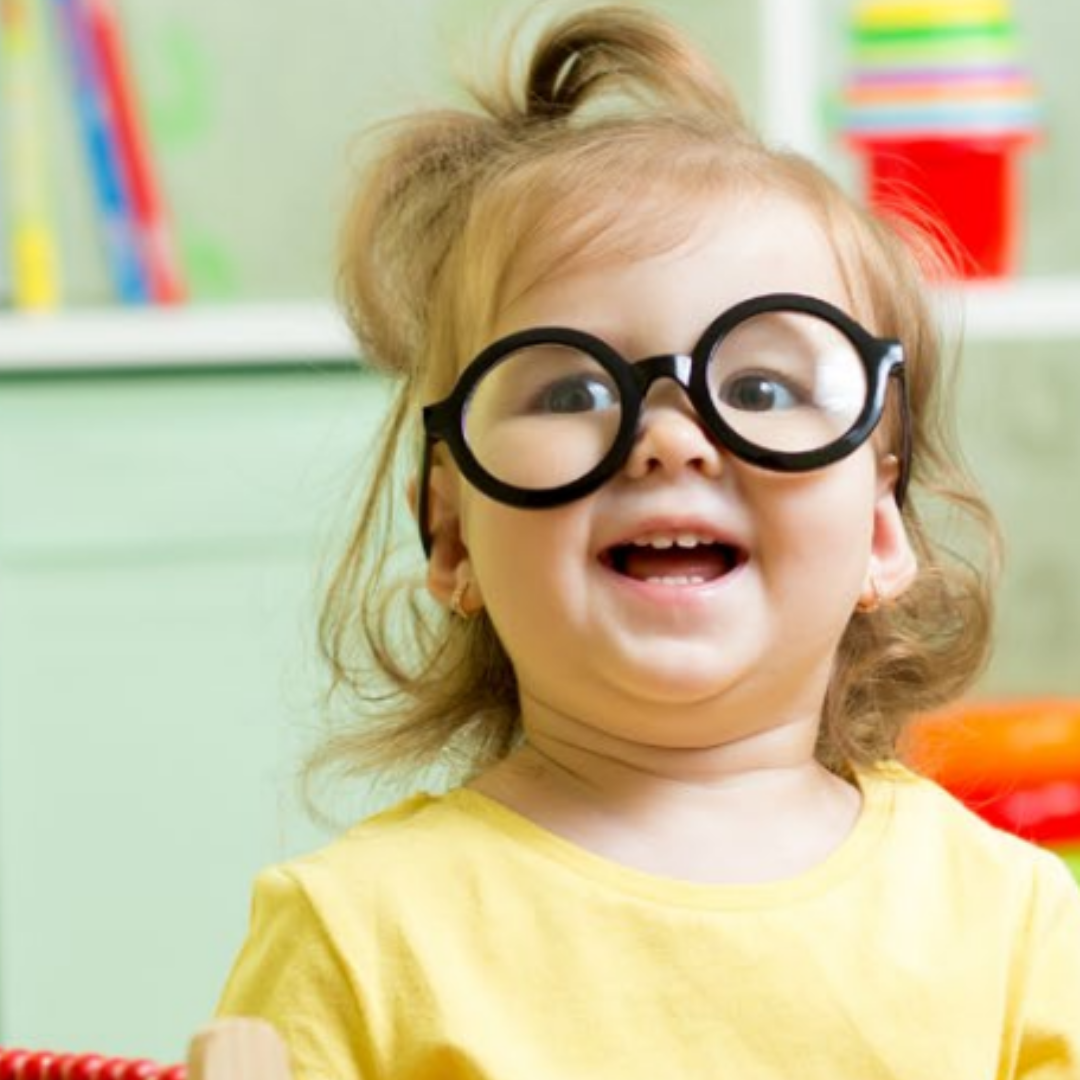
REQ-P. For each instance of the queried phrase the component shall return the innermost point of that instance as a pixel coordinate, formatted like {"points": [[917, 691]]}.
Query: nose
{"points": [[671, 436]]}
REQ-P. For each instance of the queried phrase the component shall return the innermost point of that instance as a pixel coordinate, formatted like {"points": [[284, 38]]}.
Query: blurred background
{"points": [[173, 482]]}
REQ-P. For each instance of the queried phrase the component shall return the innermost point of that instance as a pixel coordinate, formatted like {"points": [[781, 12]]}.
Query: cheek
{"points": [[512, 548], [530, 565], [821, 523]]}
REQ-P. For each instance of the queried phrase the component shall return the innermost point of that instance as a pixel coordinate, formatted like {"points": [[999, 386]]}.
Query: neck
{"points": [[619, 757], [754, 808]]}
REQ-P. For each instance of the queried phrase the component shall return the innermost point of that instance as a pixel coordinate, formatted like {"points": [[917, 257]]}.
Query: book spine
{"points": [[32, 234], [103, 155], [155, 238]]}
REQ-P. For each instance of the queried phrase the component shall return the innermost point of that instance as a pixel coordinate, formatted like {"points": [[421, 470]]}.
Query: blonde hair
{"points": [[577, 153]]}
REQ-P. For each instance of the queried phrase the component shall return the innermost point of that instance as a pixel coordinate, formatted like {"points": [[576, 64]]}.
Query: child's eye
{"points": [[576, 394], [759, 392]]}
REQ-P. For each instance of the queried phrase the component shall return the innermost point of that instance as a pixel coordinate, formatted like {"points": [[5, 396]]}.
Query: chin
{"points": [[681, 672], [680, 688]]}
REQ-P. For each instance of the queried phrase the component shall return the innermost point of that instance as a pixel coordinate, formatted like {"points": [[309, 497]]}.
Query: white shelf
{"points": [[297, 333], [262, 334], [790, 32], [1028, 309]]}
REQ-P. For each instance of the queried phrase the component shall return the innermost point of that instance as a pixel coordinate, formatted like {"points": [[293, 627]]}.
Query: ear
{"points": [[449, 569], [893, 563]]}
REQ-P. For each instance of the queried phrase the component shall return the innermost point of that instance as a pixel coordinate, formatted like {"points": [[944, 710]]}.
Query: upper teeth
{"points": [[667, 540]]}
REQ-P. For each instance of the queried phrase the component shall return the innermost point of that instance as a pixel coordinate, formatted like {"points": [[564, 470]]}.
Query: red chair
{"points": [[224, 1050]]}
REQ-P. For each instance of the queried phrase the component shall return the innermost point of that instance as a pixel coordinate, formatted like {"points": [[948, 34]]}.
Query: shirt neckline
{"points": [[858, 848]]}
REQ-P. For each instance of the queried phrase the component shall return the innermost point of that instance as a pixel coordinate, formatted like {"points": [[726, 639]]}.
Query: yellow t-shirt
{"points": [[450, 938]]}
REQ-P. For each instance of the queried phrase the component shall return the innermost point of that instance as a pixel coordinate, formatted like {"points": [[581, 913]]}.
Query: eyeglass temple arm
{"points": [[423, 500], [906, 439]]}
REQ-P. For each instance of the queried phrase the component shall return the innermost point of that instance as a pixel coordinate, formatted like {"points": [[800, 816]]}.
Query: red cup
{"points": [[965, 190]]}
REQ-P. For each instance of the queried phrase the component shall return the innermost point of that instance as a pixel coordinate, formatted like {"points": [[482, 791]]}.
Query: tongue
{"points": [[707, 562]]}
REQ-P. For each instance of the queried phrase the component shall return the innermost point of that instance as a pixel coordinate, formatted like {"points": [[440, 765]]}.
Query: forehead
{"points": [[704, 255]]}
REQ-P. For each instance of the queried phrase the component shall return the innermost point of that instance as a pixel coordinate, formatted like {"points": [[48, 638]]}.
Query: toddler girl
{"points": [[682, 449]]}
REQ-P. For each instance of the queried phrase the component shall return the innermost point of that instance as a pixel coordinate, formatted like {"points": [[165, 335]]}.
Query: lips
{"points": [[677, 558]]}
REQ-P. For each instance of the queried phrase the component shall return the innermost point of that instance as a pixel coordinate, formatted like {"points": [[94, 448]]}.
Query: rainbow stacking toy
{"points": [[1016, 763], [939, 107]]}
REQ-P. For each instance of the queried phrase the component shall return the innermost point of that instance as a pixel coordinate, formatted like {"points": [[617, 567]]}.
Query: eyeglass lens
{"points": [[548, 414]]}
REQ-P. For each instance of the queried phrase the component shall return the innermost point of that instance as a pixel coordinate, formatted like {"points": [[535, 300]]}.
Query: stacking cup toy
{"points": [[1016, 763], [939, 108]]}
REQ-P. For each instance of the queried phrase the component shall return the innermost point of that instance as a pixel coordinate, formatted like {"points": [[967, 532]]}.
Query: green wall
{"points": [[1020, 405], [161, 537]]}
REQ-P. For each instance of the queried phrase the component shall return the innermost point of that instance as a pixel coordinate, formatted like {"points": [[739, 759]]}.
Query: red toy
{"points": [[225, 1050], [44, 1065]]}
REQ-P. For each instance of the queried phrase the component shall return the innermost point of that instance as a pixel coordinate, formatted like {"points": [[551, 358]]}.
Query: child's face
{"points": [[680, 661]]}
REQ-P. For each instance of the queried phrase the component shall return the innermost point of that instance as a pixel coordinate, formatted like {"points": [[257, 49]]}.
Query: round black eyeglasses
{"points": [[785, 382]]}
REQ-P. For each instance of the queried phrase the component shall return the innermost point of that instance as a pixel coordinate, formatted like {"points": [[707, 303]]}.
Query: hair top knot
{"points": [[555, 86], [606, 55]]}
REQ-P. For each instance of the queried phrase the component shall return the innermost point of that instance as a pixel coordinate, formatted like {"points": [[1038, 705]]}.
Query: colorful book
{"points": [[35, 280], [156, 246], [112, 190]]}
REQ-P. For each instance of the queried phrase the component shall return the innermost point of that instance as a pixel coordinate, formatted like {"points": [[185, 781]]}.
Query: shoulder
{"points": [[423, 844], [933, 827]]}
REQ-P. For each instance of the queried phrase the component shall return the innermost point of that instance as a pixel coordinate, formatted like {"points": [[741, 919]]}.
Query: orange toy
{"points": [[1017, 763]]}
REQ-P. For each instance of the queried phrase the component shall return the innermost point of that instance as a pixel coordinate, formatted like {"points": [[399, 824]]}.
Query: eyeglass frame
{"points": [[882, 358]]}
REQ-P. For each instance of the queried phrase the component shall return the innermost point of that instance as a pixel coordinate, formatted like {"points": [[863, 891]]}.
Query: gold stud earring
{"points": [[876, 599], [457, 600]]}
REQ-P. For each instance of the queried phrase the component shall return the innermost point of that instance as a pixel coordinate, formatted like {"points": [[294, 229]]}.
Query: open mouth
{"points": [[674, 559]]}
